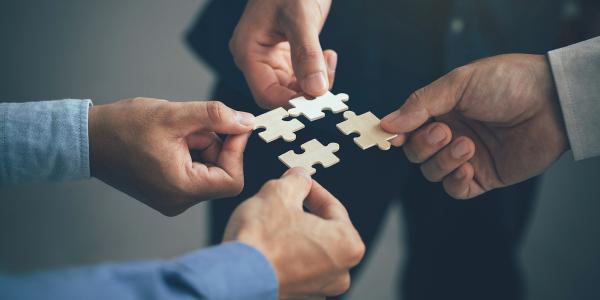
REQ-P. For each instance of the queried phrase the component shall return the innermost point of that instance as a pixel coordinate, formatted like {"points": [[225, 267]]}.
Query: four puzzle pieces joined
{"points": [[367, 125], [314, 153], [313, 109], [276, 127]]}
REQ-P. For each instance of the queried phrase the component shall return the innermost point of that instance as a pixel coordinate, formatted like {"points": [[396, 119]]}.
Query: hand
{"points": [[276, 45], [144, 148], [311, 252], [496, 122]]}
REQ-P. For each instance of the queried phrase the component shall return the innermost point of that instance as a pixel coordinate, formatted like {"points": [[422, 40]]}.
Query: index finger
{"points": [[322, 203], [435, 99]]}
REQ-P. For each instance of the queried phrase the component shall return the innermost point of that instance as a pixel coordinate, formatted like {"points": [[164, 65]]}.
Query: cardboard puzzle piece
{"points": [[276, 127], [313, 109], [314, 153], [367, 125]]}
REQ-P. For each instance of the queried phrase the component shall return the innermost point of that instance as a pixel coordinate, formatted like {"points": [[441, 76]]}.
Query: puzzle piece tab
{"points": [[314, 153], [276, 127], [313, 109], [367, 125]]}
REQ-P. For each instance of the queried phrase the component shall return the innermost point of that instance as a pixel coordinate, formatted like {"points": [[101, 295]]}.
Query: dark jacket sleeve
{"points": [[208, 38]]}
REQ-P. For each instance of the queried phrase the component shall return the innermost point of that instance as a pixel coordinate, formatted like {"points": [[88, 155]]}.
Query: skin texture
{"points": [[145, 148], [486, 125], [311, 251], [276, 45]]}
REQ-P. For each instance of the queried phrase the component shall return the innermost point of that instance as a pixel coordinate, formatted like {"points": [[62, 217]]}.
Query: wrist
{"points": [[270, 252], [94, 129]]}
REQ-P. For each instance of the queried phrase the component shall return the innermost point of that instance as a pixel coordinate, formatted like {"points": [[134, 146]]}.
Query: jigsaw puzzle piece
{"points": [[313, 109], [367, 125], [275, 127], [314, 153]]}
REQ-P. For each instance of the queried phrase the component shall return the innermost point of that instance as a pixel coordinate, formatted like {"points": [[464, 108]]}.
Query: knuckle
{"points": [[341, 285], [417, 95], [234, 188], [236, 50], [215, 111], [440, 165], [427, 173], [355, 247], [307, 53], [416, 102], [460, 72], [271, 187], [411, 155], [356, 252]]}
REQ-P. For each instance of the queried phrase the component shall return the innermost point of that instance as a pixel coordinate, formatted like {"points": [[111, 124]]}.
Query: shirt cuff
{"points": [[576, 70], [232, 270], [44, 141]]}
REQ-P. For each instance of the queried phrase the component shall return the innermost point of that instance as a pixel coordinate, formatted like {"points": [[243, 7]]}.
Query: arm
{"points": [[229, 271], [576, 71], [44, 141], [266, 257], [166, 154]]}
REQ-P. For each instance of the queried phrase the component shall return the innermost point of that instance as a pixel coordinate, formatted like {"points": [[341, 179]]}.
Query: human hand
{"points": [[496, 122], [311, 252], [276, 45], [144, 148]]}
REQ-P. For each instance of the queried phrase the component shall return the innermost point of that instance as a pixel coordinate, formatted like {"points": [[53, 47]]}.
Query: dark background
{"points": [[109, 50]]}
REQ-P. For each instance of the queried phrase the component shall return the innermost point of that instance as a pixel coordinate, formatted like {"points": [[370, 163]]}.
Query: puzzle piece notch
{"points": [[314, 153], [275, 127], [313, 109], [367, 125]]}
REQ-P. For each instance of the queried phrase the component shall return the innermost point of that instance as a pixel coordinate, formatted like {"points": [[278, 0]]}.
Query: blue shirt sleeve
{"points": [[44, 141], [231, 270]]}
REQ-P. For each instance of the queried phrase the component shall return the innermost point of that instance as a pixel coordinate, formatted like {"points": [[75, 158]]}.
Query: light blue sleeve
{"points": [[231, 270], [44, 141]]}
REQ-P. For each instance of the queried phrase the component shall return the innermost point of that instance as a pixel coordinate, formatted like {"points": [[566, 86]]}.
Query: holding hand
{"points": [[310, 252], [143, 147], [276, 45], [486, 125]]}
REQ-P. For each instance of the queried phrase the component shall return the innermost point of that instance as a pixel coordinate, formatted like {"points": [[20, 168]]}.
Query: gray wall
{"points": [[108, 50]]}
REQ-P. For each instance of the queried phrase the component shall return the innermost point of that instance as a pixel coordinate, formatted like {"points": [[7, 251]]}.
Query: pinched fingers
{"points": [[291, 189]]}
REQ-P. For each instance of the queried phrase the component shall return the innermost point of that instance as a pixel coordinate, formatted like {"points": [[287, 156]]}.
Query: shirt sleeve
{"points": [[231, 270], [44, 141], [576, 71]]}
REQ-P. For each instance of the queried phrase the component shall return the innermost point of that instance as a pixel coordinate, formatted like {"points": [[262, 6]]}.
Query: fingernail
{"points": [[436, 135], [460, 149], [315, 83], [391, 118], [244, 118], [298, 171], [460, 173]]}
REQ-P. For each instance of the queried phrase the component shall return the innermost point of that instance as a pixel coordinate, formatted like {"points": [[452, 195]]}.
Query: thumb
{"points": [[438, 98], [213, 116], [292, 188], [322, 203], [308, 60]]}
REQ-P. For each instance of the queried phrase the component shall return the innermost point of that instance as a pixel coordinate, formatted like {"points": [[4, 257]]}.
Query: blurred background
{"points": [[109, 50]]}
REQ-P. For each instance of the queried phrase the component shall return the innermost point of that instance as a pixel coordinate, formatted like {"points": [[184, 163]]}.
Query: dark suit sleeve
{"points": [[208, 38]]}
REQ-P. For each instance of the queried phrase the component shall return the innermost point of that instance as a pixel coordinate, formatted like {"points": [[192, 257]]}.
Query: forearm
{"points": [[44, 141], [576, 71], [228, 271]]}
